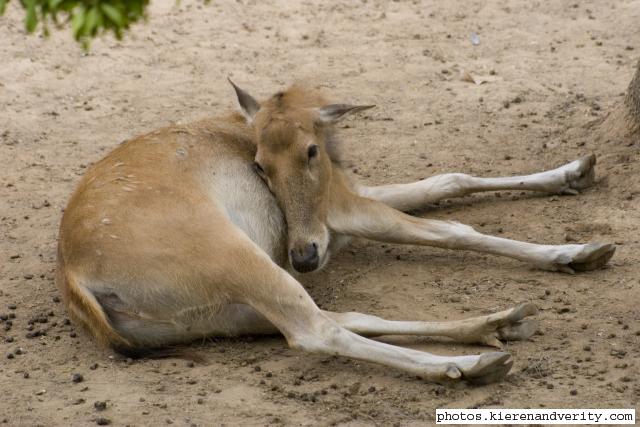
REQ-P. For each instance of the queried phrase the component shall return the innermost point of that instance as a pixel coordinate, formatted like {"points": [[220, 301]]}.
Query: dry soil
{"points": [[552, 69]]}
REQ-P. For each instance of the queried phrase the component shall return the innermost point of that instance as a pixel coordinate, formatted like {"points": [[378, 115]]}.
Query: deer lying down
{"points": [[189, 232]]}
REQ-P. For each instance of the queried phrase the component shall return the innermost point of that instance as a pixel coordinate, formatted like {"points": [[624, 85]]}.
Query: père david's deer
{"points": [[189, 231]]}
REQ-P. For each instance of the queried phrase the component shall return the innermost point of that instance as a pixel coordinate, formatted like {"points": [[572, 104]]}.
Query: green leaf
{"points": [[53, 4], [77, 22], [91, 21], [31, 20], [3, 6], [113, 14]]}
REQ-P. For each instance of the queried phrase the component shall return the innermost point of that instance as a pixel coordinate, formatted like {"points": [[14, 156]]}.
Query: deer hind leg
{"points": [[567, 179], [508, 325]]}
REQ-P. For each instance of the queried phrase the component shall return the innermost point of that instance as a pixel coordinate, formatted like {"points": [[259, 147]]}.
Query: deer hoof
{"points": [[593, 257], [579, 174], [492, 367]]}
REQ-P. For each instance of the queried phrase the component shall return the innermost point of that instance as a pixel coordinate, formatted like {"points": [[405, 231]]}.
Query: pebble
{"points": [[100, 405], [77, 378], [103, 421], [573, 392]]}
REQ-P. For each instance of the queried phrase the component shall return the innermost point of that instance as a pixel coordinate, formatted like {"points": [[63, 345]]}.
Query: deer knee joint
{"points": [[324, 339]]}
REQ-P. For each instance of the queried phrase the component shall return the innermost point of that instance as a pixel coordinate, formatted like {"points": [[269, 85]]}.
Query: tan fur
{"points": [[85, 310], [177, 235]]}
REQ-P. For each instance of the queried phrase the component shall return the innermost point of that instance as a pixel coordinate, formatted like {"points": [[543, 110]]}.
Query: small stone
{"points": [[573, 392], [586, 347], [103, 421], [12, 306], [77, 378], [100, 405]]}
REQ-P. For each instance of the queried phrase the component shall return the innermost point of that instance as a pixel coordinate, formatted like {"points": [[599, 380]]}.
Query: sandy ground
{"points": [[553, 67]]}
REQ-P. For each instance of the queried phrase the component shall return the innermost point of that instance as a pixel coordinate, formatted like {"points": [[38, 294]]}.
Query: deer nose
{"points": [[305, 260]]}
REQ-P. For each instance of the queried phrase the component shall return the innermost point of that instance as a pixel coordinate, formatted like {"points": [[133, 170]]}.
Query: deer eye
{"points": [[313, 151]]}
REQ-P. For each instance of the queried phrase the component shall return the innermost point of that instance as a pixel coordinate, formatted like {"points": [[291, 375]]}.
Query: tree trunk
{"points": [[624, 121], [632, 99]]}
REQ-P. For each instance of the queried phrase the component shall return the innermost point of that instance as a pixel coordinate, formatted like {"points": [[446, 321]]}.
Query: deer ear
{"points": [[248, 105], [334, 112]]}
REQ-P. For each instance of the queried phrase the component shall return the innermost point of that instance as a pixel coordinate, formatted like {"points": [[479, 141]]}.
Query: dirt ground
{"points": [[552, 69]]}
